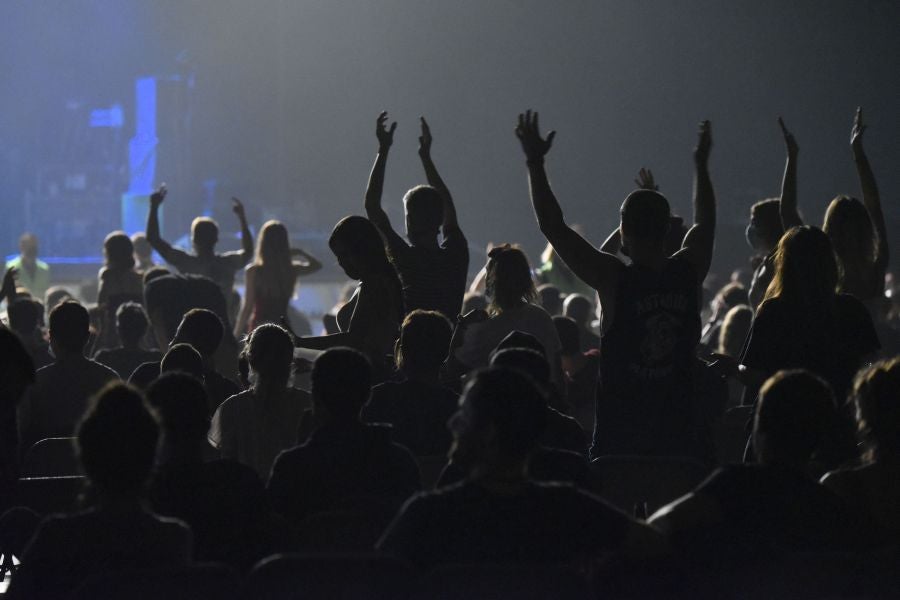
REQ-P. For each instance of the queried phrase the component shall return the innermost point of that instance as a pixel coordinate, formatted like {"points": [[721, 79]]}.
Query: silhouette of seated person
{"points": [[582, 369], [116, 443], [255, 425], [118, 283], [26, 319], [874, 486], [345, 464], [751, 511], [61, 391], [222, 501], [433, 274], [219, 267], [417, 406], [16, 376], [204, 331], [498, 514], [131, 326], [169, 297]]}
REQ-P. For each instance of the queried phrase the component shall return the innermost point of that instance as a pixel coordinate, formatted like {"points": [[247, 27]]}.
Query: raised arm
{"points": [[598, 269], [246, 237], [700, 239], [162, 247], [870, 195], [790, 216], [309, 265], [434, 179], [374, 190]]}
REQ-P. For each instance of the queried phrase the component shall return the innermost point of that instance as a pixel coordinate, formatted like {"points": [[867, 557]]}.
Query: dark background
{"points": [[286, 93]]}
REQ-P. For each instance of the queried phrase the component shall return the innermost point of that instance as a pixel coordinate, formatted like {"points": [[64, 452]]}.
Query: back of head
{"points": [[274, 246], [550, 298], [424, 211], [131, 322], [520, 339], [876, 393], [204, 233], [579, 308], [70, 326], [341, 382], [28, 245], [202, 329], [526, 361], [511, 404], [117, 440], [806, 270], [569, 335], [142, 247], [360, 239], [508, 283], [794, 414], [118, 251], [735, 328], [183, 358], [424, 341], [180, 401], [56, 294], [155, 272], [270, 353], [849, 225], [765, 228], [645, 216], [25, 315]]}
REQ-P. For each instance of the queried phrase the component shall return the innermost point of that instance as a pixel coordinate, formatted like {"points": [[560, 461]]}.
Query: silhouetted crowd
{"points": [[619, 422]]}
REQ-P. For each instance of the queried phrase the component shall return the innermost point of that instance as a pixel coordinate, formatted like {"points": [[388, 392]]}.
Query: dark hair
{"points": [[876, 394], [117, 440], [508, 283], [25, 315], [204, 232], [806, 270], [184, 358], [202, 329], [70, 326], [849, 226], [270, 353], [119, 251], [424, 341], [569, 335], [765, 216], [180, 401], [131, 322], [520, 339], [645, 215], [795, 413], [550, 298], [512, 404], [341, 381], [424, 209], [579, 308], [529, 362], [169, 297], [362, 239]]}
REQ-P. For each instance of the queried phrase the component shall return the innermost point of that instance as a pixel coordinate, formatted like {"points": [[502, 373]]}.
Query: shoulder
{"points": [[101, 370]]}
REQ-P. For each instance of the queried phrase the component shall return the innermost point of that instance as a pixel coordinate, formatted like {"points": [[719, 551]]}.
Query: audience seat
{"points": [[630, 482], [198, 582], [523, 582], [51, 457], [46, 495], [332, 577]]}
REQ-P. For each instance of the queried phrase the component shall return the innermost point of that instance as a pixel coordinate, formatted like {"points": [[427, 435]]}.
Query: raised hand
{"points": [[529, 134], [790, 143], [645, 180], [424, 139], [237, 208], [704, 143], [157, 197], [384, 134], [856, 134]]}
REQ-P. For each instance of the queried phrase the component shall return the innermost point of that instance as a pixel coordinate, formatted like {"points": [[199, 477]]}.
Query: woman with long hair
{"points": [[370, 321], [512, 306], [271, 280]]}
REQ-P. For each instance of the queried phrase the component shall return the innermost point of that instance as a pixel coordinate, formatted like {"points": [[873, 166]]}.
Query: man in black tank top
{"points": [[651, 307]]}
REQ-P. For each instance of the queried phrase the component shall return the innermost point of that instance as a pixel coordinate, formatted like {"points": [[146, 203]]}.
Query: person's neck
{"points": [[501, 477], [119, 502], [181, 453], [67, 355], [131, 345], [431, 377], [424, 241], [650, 258], [205, 252]]}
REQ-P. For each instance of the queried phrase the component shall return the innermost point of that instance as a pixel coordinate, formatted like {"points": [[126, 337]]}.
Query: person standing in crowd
{"points": [[33, 274]]}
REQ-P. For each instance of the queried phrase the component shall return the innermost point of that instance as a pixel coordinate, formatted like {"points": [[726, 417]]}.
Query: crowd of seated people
{"points": [[449, 422]]}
